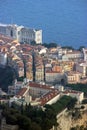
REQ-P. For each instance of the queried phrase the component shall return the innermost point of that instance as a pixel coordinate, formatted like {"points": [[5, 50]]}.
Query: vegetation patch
{"points": [[34, 118], [79, 87]]}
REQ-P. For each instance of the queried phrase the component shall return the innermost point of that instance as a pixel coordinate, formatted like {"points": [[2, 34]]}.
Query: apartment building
{"points": [[21, 33], [39, 73], [72, 55], [54, 76], [73, 77], [82, 68], [85, 54]]}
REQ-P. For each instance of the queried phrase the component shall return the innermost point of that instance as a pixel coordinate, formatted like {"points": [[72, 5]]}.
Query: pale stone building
{"points": [[73, 77], [85, 54], [82, 68], [21, 33]]}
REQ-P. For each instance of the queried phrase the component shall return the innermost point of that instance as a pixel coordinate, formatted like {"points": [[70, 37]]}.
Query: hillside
{"points": [[7, 75], [67, 122]]}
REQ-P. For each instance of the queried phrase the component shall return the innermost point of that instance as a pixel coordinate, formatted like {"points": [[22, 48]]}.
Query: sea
{"points": [[63, 21]]}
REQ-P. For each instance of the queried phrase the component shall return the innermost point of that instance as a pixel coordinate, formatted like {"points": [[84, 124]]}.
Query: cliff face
{"points": [[81, 121], [66, 121]]}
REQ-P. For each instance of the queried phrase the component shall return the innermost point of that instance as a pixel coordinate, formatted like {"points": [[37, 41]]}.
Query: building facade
{"points": [[72, 55], [21, 33], [73, 77], [85, 54], [82, 68]]}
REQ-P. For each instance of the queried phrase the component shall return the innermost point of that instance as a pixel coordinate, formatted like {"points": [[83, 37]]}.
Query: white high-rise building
{"points": [[21, 33], [85, 54]]}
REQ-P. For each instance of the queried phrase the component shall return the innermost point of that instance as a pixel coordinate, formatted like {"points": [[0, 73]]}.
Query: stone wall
{"points": [[5, 126]]}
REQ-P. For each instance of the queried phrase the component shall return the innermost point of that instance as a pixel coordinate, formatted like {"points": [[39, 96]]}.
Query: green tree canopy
{"points": [[7, 77], [50, 45]]}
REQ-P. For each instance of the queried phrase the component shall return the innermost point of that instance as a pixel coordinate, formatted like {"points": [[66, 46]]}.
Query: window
{"points": [[11, 33], [18, 32]]}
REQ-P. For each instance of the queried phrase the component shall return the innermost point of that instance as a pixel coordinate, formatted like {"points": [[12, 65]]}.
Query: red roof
{"points": [[5, 39], [36, 85], [52, 72], [72, 91], [49, 96], [21, 92]]}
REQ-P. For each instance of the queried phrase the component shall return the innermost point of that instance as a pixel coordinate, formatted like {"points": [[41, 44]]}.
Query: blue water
{"points": [[62, 21]]}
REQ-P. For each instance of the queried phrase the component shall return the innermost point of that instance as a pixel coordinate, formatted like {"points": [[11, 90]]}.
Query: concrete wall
{"points": [[53, 100], [5, 126]]}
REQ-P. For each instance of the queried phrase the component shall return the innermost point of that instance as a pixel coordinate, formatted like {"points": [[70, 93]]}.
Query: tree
{"points": [[7, 77], [11, 119], [23, 121], [35, 126], [68, 47], [45, 45], [50, 45], [33, 43], [47, 124], [81, 47], [20, 78], [71, 104], [84, 101], [73, 128], [79, 87], [62, 81]]}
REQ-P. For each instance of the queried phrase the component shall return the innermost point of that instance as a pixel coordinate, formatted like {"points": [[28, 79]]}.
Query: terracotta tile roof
{"points": [[21, 92], [27, 49], [5, 39], [71, 73], [51, 72], [50, 95], [36, 85], [72, 91]]}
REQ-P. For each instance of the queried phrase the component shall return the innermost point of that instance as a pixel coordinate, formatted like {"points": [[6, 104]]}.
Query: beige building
{"points": [[54, 76], [72, 55], [39, 73], [73, 77]]}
